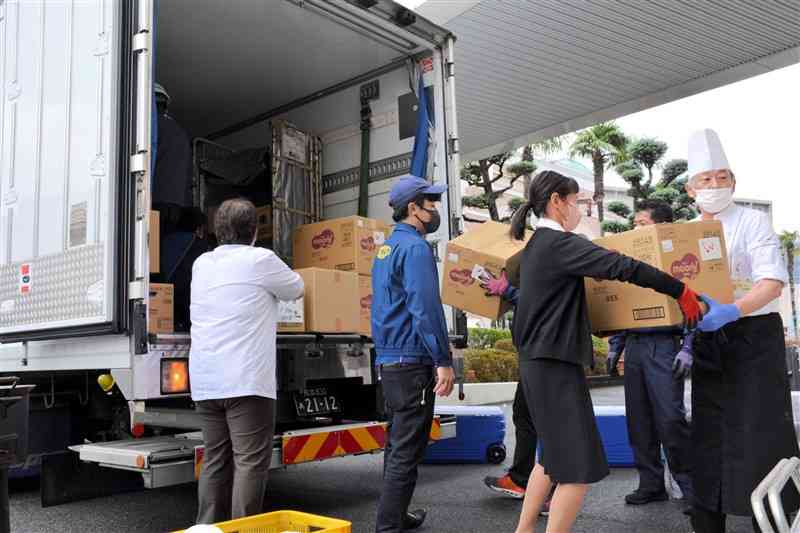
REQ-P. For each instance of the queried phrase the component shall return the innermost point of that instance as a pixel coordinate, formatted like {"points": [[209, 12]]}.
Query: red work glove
{"points": [[689, 303]]}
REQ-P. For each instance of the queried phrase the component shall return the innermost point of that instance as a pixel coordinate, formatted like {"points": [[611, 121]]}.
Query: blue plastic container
{"points": [[480, 434], [614, 433]]}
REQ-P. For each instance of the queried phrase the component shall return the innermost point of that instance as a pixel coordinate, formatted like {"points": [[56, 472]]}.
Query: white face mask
{"points": [[714, 200]]}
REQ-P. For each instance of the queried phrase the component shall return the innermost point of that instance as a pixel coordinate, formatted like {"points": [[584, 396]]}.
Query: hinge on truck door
{"points": [[141, 42], [138, 162], [136, 290], [453, 145]]}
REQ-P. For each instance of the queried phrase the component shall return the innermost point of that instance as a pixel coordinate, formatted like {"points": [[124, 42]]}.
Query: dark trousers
{"points": [[237, 433], [408, 392], [527, 440], [655, 410]]}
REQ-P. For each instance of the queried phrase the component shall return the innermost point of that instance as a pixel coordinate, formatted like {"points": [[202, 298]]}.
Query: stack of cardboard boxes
{"points": [[334, 257]]}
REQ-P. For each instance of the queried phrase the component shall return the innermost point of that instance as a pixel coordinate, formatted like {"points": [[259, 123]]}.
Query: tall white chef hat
{"points": [[706, 152]]}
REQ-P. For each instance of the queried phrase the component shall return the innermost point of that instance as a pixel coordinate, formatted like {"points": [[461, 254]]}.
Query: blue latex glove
{"points": [[682, 365], [718, 314]]}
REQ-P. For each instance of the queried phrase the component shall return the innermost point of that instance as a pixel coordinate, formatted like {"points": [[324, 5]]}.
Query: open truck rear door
{"points": [[65, 119]]}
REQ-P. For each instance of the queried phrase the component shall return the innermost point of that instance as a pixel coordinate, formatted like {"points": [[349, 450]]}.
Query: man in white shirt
{"points": [[741, 406], [234, 311]]}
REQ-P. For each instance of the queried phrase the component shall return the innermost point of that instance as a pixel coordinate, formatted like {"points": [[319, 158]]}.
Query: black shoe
{"points": [[642, 497], [414, 519], [688, 512]]}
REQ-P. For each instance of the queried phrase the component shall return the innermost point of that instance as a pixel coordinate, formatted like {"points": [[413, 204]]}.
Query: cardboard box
{"points": [[161, 308], [292, 316], [331, 305], [341, 244], [485, 248], [154, 242], [694, 253], [264, 227], [365, 305]]}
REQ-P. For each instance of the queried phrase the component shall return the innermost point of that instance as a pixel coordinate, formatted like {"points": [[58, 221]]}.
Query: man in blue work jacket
{"points": [[411, 344], [656, 365]]}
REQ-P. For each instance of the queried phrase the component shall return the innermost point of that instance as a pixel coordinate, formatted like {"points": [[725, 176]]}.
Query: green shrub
{"points": [[491, 365], [600, 349], [506, 345], [486, 337]]}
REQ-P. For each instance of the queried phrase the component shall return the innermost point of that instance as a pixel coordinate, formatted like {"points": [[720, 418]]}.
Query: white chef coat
{"points": [[754, 252], [234, 310]]}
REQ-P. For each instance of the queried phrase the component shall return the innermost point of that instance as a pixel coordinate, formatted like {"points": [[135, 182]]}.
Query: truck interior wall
{"points": [[336, 119]]}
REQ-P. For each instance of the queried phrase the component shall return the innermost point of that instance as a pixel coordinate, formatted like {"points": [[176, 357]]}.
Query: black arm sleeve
{"points": [[580, 257]]}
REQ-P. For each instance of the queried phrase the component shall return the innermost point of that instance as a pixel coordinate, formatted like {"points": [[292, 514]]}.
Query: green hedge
{"points": [[486, 337], [493, 358]]}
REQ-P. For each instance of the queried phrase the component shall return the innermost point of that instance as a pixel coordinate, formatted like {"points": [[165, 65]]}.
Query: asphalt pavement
{"points": [[348, 488]]}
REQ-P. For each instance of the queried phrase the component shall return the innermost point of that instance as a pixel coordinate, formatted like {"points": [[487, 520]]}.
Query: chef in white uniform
{"points": [[741, 406]]}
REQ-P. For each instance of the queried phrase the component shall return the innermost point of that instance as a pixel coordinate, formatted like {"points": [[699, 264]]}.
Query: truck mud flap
{"points": [[65, 478]]}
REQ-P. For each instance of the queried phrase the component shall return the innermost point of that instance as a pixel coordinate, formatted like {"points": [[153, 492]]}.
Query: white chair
{"points": [[771, 488]]}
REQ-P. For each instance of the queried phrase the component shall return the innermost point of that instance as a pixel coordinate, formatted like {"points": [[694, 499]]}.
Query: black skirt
{"points": [[559, 402]]}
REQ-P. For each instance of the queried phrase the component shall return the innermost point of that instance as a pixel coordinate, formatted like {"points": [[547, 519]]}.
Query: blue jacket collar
{"points": [[408, 228]]}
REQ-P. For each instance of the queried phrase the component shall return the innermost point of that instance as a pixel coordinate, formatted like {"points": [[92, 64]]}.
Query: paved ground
{"points": [[348, 489]]}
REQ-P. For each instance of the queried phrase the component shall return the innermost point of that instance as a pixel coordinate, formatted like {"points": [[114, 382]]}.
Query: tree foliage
{"points": [[648, 151], [609, 226], [497, 174], [620, 209], [605, 145], [789, 241], [672, 169]]}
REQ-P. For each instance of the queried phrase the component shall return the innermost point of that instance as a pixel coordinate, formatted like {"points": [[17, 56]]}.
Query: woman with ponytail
{"points": [[553, 337]]}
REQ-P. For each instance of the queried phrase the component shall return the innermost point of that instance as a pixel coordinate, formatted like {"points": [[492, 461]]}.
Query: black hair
{"points": [[236, 221], [542, 188], [660, 211], [401, 211]]}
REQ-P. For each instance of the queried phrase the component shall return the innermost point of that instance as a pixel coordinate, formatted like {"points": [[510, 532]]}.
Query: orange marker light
{"points": [[174, 376]]}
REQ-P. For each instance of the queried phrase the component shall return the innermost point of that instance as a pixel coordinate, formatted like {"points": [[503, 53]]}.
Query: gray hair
{"points": [[235, 222]]}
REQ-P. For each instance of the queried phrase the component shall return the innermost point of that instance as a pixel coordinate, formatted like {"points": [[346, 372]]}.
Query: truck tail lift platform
{"points": [[167, 461]]}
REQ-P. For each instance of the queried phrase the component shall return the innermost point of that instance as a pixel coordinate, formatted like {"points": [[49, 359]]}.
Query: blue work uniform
{"points": [[410, 336], [654, 404], [408, 324]]}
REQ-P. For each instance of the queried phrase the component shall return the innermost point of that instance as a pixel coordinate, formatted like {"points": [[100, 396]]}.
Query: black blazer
{"points": [[552, 319]]}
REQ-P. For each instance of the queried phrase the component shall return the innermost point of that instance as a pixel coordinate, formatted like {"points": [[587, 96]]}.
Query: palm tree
{"points": [[788, 243], [605, 145]]}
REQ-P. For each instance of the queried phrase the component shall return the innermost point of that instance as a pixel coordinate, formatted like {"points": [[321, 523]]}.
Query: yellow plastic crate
{"points": [[280, 521]]}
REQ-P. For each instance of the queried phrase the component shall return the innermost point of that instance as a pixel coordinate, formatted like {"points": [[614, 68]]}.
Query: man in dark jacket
{"points": [[172, 179], [411, 344], [656, 363]]}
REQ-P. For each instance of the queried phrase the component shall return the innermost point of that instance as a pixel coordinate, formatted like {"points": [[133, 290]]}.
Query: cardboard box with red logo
{"points": [[161, 308], [488, 248], [340, 244], [365, 305], [330, 302], [693, 252]]}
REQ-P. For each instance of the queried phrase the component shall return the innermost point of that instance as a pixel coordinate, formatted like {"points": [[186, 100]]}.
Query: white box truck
{"points": [[76, 126]]}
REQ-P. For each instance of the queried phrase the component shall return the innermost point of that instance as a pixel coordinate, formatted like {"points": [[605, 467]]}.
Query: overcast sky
{"points": [[758, 120]]}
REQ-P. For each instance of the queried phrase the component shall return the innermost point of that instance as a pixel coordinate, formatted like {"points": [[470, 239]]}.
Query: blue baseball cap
{"points": [[407, 187]]}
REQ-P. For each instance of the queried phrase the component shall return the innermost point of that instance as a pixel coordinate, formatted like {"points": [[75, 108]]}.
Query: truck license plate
{"points": [[316, 402]]}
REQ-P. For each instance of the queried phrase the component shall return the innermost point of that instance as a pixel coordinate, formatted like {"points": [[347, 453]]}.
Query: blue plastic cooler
{"points": [[614, 433], [480, 434]]}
